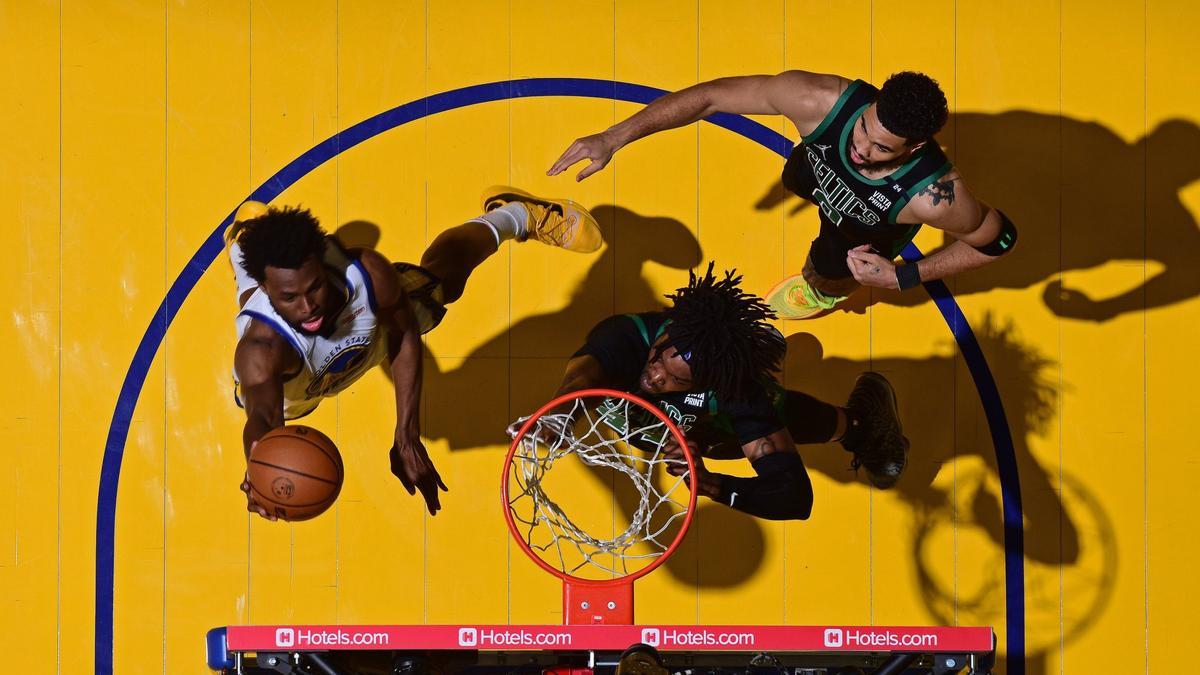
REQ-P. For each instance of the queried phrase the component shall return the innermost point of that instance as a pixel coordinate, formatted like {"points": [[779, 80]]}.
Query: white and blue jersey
{"points": [[328, 364]]}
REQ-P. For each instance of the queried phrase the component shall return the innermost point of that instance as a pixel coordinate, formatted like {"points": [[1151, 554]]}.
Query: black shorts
{"points": [[424, 292]]}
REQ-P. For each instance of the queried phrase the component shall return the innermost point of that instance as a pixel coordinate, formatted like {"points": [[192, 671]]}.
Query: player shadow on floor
{"points": [[1066, 529], [1052, 535], [1046, 170], [358, 234], [540, 345], [927, 410]]}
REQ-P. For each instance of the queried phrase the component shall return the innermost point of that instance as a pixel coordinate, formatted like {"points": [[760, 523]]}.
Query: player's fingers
{"points": [[569, 157], [862, 247], [572, 154], [853, 265], [590, 169], [434, 479], [429, 492], [407, 482]]}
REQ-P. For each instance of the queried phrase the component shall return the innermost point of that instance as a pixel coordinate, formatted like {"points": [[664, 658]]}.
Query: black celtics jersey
{"points": [[856, 210], [622, 346]]}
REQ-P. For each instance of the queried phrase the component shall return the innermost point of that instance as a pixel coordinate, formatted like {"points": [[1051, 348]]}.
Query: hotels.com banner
{"points": [[569, 638]]}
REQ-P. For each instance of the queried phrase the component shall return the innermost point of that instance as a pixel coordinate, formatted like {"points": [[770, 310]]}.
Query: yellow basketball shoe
{"points": [[557, 222], [247, 211], [793, 298]]}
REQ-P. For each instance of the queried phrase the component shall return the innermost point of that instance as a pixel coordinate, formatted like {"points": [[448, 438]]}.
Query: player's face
{"points": [[665, 371], [303, 296], [872, 146]]}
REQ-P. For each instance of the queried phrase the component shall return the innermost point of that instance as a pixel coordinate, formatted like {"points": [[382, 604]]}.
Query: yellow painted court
{"points": [[1052, 390]]}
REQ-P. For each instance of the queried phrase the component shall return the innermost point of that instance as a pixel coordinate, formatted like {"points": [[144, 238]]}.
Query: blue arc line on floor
{"points": [[135, 377]]}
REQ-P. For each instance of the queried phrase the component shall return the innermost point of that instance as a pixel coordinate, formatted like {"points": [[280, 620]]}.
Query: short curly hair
{"points": [[284, 238], [912, 106]]}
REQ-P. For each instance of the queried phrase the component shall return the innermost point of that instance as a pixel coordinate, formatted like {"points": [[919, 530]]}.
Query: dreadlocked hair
{"points": [[282, 238], [724, 335]]}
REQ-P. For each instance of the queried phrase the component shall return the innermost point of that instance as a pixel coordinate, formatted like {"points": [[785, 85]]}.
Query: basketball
{"points": [[295, 472]]}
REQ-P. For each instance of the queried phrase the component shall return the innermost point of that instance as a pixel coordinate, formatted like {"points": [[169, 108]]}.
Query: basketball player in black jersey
{"points": [[867, 159], [708, 362]]}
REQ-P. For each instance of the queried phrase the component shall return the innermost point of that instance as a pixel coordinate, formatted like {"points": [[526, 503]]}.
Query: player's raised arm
{"points": [[583, 372], [802, 96], [409, 458]]}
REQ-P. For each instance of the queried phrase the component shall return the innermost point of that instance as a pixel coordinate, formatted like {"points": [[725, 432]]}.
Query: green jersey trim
{"points": [[641, 326], [833, 112], [894, 213], [942, 171], [891, 177]]}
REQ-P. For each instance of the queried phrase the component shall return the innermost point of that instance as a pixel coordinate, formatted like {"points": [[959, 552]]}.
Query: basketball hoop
{"points": [[624, 439]]}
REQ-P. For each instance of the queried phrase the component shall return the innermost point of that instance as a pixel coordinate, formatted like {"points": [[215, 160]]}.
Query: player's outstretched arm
{"points": [[583, 372], [261, 360], [802, 96], [409, 458], [982, 234], [780, 491]]}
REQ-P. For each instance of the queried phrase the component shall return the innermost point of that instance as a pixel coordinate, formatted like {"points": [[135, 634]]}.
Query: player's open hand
{"points": [[870, 269], [251, 505], [411, 464], [598, 147]]}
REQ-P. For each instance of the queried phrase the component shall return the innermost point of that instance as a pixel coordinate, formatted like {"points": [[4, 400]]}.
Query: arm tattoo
{"points": [[939, 191]]}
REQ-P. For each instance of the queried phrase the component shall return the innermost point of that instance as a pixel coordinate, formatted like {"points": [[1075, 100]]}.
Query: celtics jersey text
{"points": [[854, 209]]}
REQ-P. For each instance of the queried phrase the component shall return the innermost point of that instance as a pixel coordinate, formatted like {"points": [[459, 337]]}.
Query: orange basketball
{"points": [[295, 472]]}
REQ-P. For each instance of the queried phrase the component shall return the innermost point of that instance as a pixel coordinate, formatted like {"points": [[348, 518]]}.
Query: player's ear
{"points": [[913, 147]]}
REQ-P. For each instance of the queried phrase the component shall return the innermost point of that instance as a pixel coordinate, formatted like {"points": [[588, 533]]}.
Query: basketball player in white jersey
{"points": [[316, 316]]}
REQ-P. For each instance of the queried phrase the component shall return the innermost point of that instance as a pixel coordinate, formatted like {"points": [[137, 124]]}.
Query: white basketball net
{"points": [[601, 436]]}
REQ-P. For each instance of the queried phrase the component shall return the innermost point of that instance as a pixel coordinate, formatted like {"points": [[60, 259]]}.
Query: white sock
{"points": [[244, 281], [506, 222]]}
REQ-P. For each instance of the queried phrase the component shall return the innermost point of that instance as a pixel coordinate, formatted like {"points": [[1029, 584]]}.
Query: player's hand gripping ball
{"points": [[295, 472]]}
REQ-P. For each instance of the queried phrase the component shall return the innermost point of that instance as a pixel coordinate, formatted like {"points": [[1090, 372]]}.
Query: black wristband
{"points": [[775, 462], [908, 276], [781, 491], [1005, 239]]}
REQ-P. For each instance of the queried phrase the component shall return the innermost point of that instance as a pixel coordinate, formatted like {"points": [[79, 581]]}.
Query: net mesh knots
{"points": [[616, 434]]}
